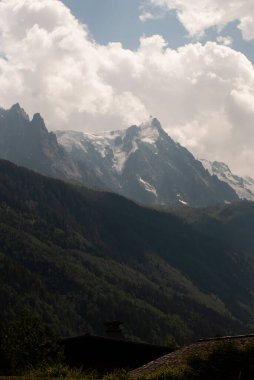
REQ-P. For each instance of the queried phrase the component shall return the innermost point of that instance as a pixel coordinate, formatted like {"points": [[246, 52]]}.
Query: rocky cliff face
{"points": [[141, 162], [243, 186], [145, 164], [28, 143]]}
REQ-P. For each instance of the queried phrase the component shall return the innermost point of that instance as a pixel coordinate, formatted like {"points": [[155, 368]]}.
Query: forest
{"points": [[76, 258]]}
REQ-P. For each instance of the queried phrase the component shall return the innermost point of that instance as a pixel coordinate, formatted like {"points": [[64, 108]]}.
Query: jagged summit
{"points": [[16, 109], [145, 164], [153, 123], [38, 122], [141, 162], [244, 187], [150, 131], [115, 147], [37, 118], [28, 143]]}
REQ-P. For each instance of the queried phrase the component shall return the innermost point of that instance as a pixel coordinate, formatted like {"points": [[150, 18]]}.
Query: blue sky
{"points": [[118, 21]]}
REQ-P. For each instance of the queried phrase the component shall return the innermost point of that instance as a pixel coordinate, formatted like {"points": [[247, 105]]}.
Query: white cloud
{"points": [[199, 15], [225, 40], [247, 27], [203, 94], [145, 15]]}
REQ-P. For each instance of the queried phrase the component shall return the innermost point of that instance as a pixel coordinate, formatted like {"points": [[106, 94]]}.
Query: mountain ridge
{"points": [[144, 164], [141, 163], [78, 257], [243, 186], [28, 143]]}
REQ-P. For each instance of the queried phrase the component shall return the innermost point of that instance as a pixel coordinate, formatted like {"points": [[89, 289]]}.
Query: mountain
{"points": [[231, 224], [144, 164], [77, 258], [28, 143], [244, 187]]}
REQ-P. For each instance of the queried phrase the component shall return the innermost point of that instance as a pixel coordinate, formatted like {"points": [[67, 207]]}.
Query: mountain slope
{"points": [[244, 187], [142, 163], [78, 258], [28, 143], [146, 165], [232, 224]]}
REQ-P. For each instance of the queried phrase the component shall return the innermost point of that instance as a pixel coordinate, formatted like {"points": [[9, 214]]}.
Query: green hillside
{"points": [[77, 258]]}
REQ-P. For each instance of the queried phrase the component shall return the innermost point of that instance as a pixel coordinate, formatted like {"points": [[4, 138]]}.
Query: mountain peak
{"points": [[143, 163], [38, 122], [16, 107], [215, 167], [221, 166], [150, 130], [242, 186], [18, 110], [153, 123]]}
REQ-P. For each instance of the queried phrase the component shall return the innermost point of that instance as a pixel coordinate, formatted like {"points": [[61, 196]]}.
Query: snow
{"points": [[180, 200], [120, 157], [244, 187], [249, 183], [148, 186], [148, 133], [207, 165], [71, 140], [112, 144], [105, 144], [183, 202]]}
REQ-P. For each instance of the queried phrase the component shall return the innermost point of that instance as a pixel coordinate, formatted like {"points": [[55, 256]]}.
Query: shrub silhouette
{"points": [[27, 343]]}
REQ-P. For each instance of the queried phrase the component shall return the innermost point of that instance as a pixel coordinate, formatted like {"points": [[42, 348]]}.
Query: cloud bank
{"points": [[203, 94], [199, 15]]}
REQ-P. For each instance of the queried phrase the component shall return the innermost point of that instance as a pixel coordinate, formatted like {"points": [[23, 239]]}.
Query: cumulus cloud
{"points": [[225, 40], [145, 15], [247, 27], [154, 14], [203, 94], [199, 15]]}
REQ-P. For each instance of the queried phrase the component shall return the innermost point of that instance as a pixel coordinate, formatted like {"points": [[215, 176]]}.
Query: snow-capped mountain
{"points": [[141, 162], [244, 187], [145, 164], [28, 143]]}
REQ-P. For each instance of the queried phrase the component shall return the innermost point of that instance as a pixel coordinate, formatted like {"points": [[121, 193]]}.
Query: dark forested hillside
{"points": [[77, 258]]}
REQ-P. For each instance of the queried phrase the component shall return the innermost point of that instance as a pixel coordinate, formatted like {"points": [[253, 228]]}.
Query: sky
{"points": [[95, 65]]}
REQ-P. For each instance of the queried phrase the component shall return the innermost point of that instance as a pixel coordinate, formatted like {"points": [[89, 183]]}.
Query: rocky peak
{"points": [[17, 110], [154, 122], [145, 164], [221, 166], [28, 143], [39, 123], [242, 186]]}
